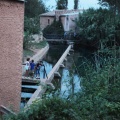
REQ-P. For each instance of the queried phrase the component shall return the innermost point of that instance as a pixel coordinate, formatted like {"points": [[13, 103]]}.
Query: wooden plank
{"points": [[30, 82], [28, 90]]}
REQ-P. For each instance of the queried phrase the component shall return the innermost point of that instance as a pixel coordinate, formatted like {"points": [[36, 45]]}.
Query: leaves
{"points": [[62, 4]]}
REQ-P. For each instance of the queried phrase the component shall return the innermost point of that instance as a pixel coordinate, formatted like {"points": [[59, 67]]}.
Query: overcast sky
{"points": [[82, 4]]}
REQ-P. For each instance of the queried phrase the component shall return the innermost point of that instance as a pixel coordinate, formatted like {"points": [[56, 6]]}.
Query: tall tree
{"points": [[76, 4], [34, 7], [62, 4], [111, 3], [99, 25]]}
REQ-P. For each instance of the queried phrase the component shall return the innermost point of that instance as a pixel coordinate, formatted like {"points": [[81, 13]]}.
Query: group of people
{"points": [[35, 70]]}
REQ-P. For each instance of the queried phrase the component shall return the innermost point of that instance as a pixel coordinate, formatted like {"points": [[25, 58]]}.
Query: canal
{"points": [[69, 82]]}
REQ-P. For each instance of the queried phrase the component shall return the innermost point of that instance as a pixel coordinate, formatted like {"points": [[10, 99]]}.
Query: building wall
{"points": [[11, 45], [63, 21], [72, 24], [68, 22], [45, 21], [58, 13]]}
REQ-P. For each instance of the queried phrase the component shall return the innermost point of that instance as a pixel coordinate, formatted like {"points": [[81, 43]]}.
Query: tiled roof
{"points": [[52, 13]]}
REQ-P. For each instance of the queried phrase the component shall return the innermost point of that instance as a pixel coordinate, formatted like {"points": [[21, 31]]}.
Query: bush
{"points": [[48, 109]]}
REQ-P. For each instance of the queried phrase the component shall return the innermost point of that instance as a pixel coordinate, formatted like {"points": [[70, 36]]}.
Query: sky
{"points": [[83, 4]]}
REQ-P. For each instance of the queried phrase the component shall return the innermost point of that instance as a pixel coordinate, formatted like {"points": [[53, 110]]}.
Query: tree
{"points": [[76, 4], [48, 109], [111, 4], [99, 25], [62, 4], [55, 30], [33, 8]]}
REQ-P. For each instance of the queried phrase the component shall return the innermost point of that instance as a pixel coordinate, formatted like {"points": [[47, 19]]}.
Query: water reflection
{"points": [[69, 84]]}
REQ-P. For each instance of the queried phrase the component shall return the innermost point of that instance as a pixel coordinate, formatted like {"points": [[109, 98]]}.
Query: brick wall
{"points": [[11, 42]]}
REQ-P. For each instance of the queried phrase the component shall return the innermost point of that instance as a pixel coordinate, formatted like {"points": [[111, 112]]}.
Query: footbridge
{"points": [[47, 81]]}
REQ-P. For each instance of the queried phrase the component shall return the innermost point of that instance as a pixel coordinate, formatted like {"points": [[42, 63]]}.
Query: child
{"points": [[32, 67], [27, 67], [37, 70]]}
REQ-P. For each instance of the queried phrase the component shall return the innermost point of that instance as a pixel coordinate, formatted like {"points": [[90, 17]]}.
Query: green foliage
{"points": [[100, 97], [48, 109], [62, 4], [111, 3], [33, 8], [55, 28], [27, 52], [32, 25], [39, 45], [26, 41], [99, 25], [76, 4]]}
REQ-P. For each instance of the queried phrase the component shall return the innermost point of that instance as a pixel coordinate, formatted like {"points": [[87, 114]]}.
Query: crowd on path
{"points": [[33, 70]]}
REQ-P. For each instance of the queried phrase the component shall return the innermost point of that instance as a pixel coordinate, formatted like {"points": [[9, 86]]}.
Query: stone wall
{"points": [[45, 21], [11, 45]]}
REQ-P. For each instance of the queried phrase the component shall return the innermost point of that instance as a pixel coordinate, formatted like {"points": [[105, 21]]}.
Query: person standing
{"points": [[27, 67], [32, 68], [37, 71], [43, 73]]}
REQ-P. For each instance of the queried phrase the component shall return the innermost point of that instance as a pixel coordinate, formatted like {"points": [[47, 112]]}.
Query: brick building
{"points": [[11, 46]]}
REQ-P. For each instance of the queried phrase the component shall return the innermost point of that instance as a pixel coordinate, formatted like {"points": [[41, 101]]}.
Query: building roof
{"points": [[52, 13]]}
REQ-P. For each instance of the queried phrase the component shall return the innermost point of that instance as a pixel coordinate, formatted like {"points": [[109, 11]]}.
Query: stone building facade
{"points": [[11, 47], [67, 18]]}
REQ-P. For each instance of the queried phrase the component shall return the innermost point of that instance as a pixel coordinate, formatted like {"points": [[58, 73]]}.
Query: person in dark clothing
{"points": [[43, 73], [32, 68], [37, 71]]}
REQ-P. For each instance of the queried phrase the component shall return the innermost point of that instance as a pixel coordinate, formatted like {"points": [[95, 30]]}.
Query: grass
{"points": [[27, 52], [30, 53]]}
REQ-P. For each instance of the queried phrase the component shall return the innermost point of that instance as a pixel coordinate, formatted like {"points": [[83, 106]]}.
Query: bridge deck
{"points": [[30, 81]]}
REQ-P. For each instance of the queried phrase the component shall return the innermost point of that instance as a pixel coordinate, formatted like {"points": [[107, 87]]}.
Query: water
{"points": [[69, 83]]}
